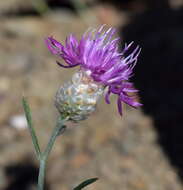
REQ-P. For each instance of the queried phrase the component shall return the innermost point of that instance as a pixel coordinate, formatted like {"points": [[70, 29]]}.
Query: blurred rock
{"points": [[176, 3], [18, 122], [9, 6]]}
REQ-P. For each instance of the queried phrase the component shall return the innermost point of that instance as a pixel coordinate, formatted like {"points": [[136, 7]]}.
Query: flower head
{"points": [[97, 55]]}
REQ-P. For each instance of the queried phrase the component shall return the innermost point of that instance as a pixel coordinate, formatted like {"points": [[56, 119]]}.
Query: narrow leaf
{"points": [[85, 183], [61, 130], [30, 126]]}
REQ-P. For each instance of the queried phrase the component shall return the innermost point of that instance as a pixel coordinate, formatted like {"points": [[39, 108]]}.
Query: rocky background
{"points": [[143, 150]]}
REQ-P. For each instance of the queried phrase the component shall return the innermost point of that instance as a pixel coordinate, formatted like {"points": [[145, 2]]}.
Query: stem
{"points": [[41, 177], [59, 129]]}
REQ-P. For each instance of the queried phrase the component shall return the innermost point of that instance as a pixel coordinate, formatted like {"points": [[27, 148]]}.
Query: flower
{"points": [[98, 57]]}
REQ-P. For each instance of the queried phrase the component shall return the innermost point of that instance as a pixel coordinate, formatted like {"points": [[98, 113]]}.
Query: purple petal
{"points": [[130, 101], [130, 90], [66, 66], [128, 87], [53, 45], [107, 97], [119, 106]]}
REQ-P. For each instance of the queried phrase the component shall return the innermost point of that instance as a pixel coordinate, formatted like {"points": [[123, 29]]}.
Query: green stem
{"points": [[41, 176], [59, 129]]}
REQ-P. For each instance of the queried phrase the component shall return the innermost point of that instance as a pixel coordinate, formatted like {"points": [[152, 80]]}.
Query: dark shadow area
{"points": [[66, 4], [159, 75], [134, 4], [21, 13], [22, 176]]}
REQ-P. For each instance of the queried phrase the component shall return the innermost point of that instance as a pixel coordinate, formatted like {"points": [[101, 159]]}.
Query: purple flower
{"points": [[97, 54]]}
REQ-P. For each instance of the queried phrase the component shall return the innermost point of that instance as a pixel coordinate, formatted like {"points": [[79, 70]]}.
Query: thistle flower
{"points": [[102, 66]]}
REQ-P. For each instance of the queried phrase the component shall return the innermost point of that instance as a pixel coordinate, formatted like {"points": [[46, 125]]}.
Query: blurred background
{"points": [[143, 150]]}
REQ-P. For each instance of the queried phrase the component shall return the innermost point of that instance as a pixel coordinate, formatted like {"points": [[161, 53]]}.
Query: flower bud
{"points": [[77, 98]]}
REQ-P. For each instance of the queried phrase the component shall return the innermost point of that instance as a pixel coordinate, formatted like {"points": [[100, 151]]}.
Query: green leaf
{"points": [[85, 183], [30, 126], [61, 130]]}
